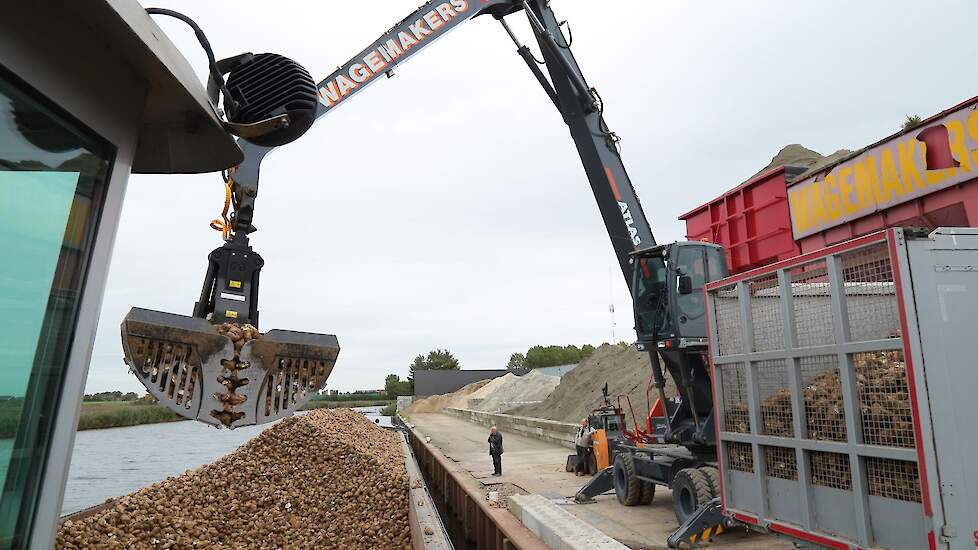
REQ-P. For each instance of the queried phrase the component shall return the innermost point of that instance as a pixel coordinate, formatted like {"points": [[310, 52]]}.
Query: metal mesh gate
{"points": [[813, 405]]}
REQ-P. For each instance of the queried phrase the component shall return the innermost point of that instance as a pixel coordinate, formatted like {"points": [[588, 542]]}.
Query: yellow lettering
{"points": [[818, 204], [867, 183], [800, 212], [955, 136], [973, 133], [891, 184], [832, 197], [908, 167], [845, 189]]}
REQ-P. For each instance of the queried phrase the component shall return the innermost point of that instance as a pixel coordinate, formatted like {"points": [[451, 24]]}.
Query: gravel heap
{"points": [[326, 479], [487, 389], [795, 154], [454, 400], [625, 370], [499, 395], [513, 391]]}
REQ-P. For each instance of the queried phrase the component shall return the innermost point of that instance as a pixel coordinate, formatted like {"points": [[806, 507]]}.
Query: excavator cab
{"points": [[668, 280]]}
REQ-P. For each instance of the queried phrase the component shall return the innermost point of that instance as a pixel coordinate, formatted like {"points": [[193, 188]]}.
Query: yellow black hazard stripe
{"points": [[707, 534]]}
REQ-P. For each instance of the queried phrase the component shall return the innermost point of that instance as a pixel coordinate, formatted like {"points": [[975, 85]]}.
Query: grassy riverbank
{"points": [[329, 404], [116, 414]]}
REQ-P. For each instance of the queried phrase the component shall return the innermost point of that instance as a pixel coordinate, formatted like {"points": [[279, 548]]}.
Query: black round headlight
{"points": [[265, 85]]}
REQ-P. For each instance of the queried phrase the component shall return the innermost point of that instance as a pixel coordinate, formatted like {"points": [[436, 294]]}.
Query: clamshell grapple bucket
{"points": [[225, 375]]}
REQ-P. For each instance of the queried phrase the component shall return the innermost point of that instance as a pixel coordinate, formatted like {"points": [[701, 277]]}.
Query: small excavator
{"points": [[214, 366]]}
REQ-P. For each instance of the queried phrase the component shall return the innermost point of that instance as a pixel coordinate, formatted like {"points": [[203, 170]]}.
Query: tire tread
{"points": [[633, 487]]}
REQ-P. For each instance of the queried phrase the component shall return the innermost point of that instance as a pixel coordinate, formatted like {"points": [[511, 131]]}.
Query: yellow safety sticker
{"points": [[230, 314], [234, 284]]}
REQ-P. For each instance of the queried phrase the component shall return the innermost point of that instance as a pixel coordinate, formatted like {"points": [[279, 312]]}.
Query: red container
{"points": [[753, 224], [751, 221]]}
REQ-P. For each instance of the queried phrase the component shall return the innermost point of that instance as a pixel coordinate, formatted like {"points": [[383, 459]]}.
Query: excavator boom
{"points": [[203, 372], [433, 20]]}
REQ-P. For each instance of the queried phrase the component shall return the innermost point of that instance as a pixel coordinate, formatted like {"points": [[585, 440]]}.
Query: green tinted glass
{"points": [[650, 300], [53, 175], [691, 262]]}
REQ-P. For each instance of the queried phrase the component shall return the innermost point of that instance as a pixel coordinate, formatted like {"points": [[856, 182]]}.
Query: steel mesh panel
{"points": [[889, 478], [740, 456], [733, 383], [830, 470], [870, 293], [772, 386], [812, 300], [765, 306], [884, 399], [726, 311], [781, 462], [825, 416]]}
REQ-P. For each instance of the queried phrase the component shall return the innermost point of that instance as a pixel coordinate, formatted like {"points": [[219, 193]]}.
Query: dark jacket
{"points": [[496, 443]]}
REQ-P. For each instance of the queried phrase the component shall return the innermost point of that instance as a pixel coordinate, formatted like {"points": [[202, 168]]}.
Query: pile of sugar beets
{"points": [[326, 479], [885, 418]]}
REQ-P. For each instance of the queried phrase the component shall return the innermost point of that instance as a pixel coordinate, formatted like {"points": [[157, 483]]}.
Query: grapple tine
{"points": [[296, 366], [193, 370], [159, 346]]}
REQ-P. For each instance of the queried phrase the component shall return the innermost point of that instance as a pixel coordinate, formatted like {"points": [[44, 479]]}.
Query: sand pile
{"points": [[487, 389], [625, 370], [455, 400], [513, 391], [327, 479], [500, 394], [798, 155]]}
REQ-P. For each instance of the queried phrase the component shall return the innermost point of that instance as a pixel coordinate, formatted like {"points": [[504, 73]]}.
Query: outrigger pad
{"points": [[200, 374]]}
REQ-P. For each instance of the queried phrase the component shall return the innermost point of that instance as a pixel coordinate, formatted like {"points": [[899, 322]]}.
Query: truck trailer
{"points": [[838, 345], [843, 382]]}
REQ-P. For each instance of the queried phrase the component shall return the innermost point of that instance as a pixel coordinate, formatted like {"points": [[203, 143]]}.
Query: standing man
{"points": [[583, 444], [496, 451]]}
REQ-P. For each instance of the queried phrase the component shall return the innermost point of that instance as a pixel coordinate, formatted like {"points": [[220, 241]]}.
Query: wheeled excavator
{"points": [[214, 366]]}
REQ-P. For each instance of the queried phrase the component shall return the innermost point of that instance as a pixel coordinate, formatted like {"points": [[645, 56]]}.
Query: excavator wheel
{"points": [[690, 490], [713, 477], [628, 488], [648, 492]]}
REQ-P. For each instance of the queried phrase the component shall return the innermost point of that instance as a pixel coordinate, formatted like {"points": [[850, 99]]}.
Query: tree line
{"points": [[110, 396], [442, 359], [549, 356], [438, 359]]}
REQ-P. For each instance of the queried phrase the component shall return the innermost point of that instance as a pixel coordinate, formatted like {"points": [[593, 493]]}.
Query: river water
{"points": [[115, 461]]}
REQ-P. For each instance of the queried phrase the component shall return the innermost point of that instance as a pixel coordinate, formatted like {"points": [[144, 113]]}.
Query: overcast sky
{"points": [[447, 207]]}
